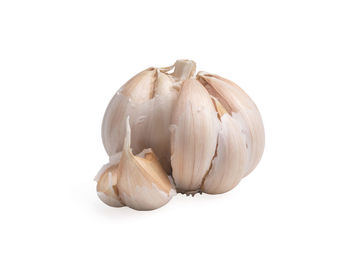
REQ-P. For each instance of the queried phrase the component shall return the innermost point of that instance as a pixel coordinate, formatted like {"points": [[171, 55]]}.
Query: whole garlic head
{"points": [[205, 131]]}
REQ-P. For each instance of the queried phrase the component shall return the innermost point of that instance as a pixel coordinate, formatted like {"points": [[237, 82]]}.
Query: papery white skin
{"points": [[240, 106], [194, 133], [143, 184]]}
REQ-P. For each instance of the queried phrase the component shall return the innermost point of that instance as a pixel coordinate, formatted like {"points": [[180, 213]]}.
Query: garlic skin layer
{"points": [[191, 133]]}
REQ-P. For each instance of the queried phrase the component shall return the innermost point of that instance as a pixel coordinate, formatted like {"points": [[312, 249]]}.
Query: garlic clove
{"points": [[230, 161], [107, 180], [240, 106], [143, 184], [194, 132]]}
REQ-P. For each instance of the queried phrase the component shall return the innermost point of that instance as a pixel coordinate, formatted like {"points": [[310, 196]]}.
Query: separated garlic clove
{"points": [[242, 108], [148, 98], [194, 132], [107, 179], [136, 181], [230, 161], [143, 184]]}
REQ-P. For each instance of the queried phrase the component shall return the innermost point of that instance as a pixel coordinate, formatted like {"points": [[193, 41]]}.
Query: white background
{"points": [[61, 62]]}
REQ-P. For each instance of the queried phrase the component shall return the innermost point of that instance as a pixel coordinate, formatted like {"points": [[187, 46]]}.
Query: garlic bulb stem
{"points": [[184, 69]]}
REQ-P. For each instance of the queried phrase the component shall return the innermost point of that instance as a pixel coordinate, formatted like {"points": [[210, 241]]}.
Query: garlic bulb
{"points": [[205, 131]]}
